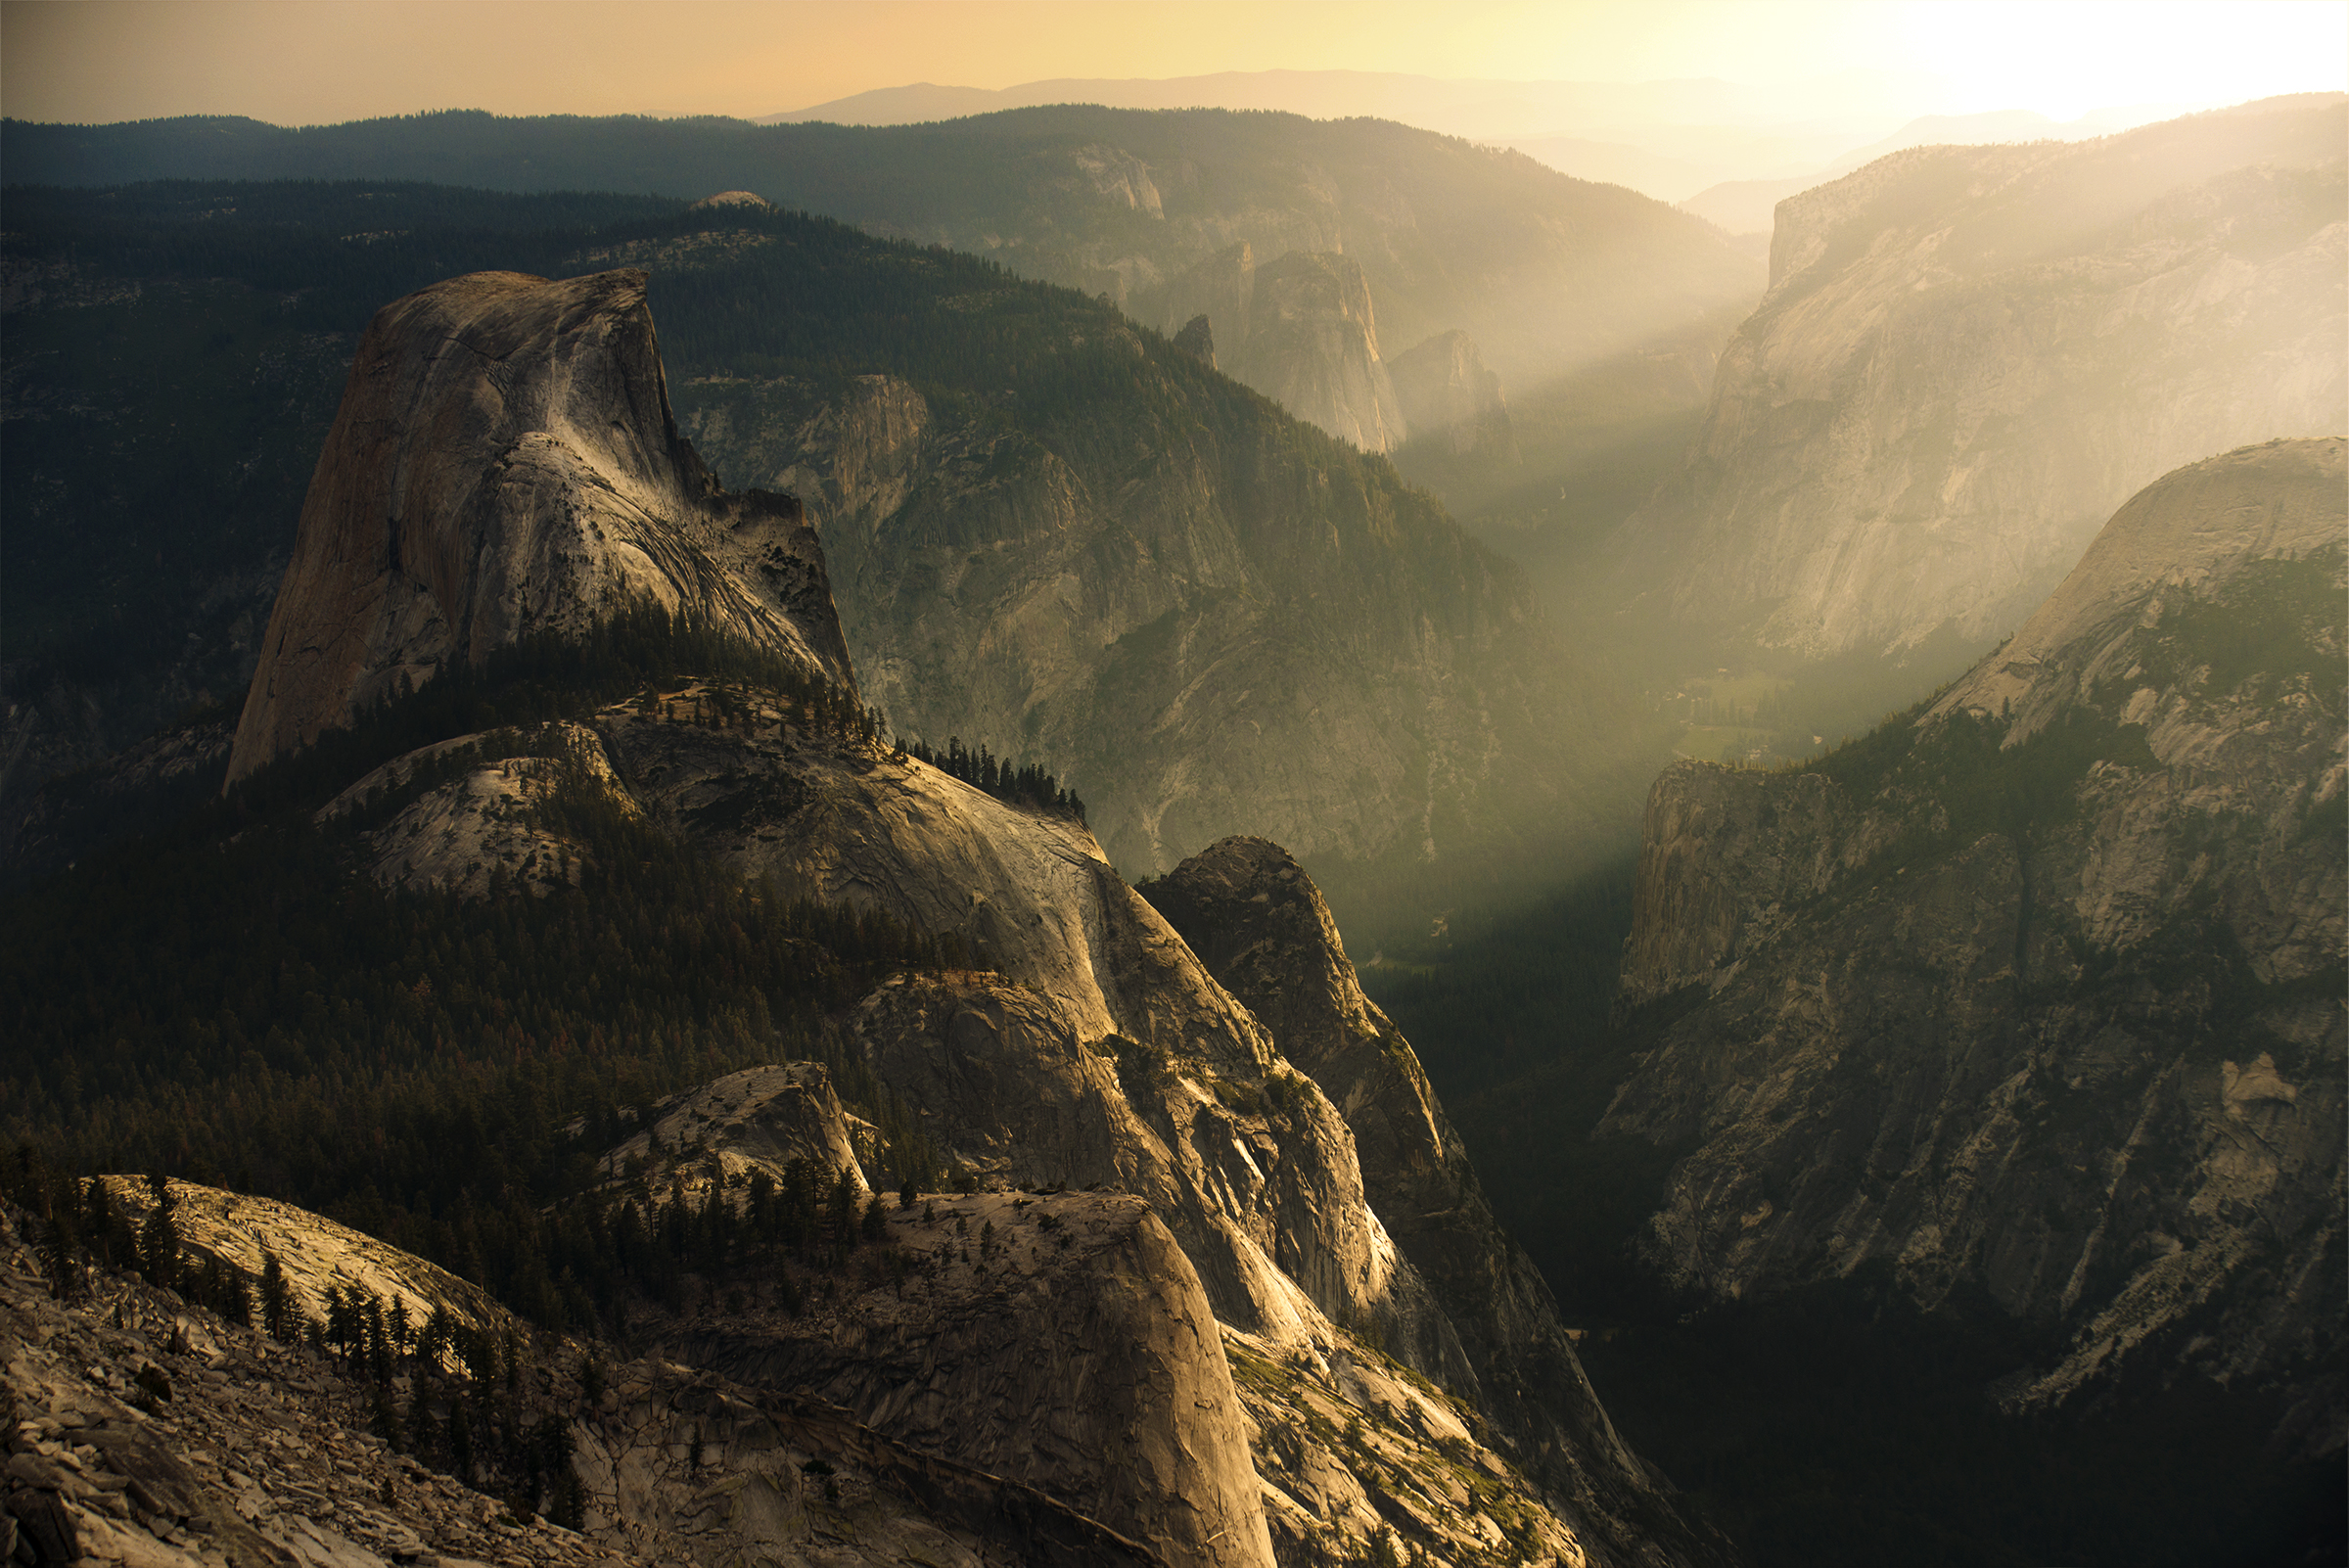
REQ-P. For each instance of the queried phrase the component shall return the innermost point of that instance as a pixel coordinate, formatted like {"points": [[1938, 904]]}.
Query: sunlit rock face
{"points": [[2039, 996], [1300, 328], [1074, 1351], [505, 463], [1258, 922], [1448, 395], [466, 817], [1969, 357]]}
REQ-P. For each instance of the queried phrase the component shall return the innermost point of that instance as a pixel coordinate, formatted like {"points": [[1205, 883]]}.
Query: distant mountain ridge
{"points": [[1049, 532], [1745, 206], [1970, 355], [1548, 275], [1484, 109]]}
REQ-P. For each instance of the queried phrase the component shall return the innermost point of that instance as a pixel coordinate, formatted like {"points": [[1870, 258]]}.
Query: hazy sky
{"points": [[300, 62]]}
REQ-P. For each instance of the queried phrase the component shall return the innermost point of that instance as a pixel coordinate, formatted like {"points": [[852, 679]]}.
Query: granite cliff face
{"points": [[1203, 630], [2039, 993], [1092, 1049], [1262, 931], [1449, 396], [1312, 346], [1969, 357], [1071, 1351], [1300, 328], [505, 463]]}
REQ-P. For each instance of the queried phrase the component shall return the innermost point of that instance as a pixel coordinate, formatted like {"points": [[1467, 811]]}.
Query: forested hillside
{"points": [[1547, 273], [1295, 563]]}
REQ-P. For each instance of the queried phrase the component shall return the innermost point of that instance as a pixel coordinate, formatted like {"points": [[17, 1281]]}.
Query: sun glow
{"points": [[306, 62]]}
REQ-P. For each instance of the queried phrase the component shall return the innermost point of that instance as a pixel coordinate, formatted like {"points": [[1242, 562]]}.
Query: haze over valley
{"points": [[1528, 786]]}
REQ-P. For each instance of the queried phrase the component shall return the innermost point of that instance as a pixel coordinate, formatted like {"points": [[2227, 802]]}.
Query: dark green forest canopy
{"points": [[935, 175], [236, 1000]]}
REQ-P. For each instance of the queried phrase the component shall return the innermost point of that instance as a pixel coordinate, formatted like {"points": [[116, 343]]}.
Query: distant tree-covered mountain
{"points": [[1544, 271], [1317, 249], [174, 355]]}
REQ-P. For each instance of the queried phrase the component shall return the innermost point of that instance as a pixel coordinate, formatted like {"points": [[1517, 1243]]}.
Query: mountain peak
{"points": [[505, 462]]}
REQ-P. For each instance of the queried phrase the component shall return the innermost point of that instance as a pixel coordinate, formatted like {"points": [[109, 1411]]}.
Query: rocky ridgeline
{"points": [[1262, 930], [1306, 1205], [1062, 1339], [1969, 357], [2039, 996]]}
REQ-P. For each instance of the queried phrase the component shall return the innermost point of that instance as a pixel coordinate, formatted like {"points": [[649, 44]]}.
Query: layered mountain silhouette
{"points": [[1548, 275]]}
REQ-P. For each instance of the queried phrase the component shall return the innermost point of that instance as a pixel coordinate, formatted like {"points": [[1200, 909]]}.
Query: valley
{"points": [[1169, 836]]}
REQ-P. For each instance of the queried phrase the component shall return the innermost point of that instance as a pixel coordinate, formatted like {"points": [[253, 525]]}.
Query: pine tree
{"points": [[460, 1441], [159, 1244], [277, 1299], [61, 1257]]}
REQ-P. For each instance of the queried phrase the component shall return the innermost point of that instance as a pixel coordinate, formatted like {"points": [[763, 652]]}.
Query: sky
{"points": [[309, 62]]}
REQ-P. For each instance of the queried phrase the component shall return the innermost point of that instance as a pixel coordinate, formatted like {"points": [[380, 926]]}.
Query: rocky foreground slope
{"points": [[1969, 357], [2039, 994], [154, 1433]]}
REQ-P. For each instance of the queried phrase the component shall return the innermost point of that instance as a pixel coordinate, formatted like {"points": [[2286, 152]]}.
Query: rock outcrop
{"points": [[1450, 397], [1258, 923], [1062, 1339], [1071, 1349], [1312, 346], [1197, 337], [505, 463], [1969, 357], [1094, 1051], [2039, 994], [468, 816], [1300, 327]]}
